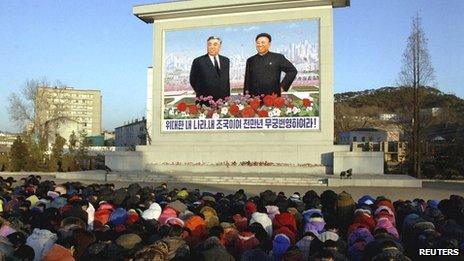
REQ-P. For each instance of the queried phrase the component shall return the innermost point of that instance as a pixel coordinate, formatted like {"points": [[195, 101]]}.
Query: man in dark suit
{"points": [[209, 75], [263, 70]]}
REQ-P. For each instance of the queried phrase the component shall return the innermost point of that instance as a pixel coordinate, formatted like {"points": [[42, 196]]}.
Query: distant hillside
{"points": [[386, 99]]}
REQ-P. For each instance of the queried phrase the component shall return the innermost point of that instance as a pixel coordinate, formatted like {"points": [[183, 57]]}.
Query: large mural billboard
{"points": [[296, 108]]}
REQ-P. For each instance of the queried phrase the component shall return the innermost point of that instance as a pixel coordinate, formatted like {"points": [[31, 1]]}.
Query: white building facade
{"points": [[131, 134]]}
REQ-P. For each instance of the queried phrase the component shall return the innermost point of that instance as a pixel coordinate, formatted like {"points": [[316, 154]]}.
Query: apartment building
{"points": [[131, 134], [82, 107]]}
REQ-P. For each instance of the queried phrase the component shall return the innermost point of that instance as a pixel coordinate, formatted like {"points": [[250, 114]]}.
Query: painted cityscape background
{"points": [[297, 40]]}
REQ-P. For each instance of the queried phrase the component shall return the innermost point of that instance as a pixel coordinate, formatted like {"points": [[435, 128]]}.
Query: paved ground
{"points": [[430, 189]]}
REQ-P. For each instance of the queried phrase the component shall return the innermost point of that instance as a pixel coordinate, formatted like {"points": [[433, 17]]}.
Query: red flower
{"points": [[209, 114], [248, 112], [268, 100], [193, 109], [290, 105], [234, 110], [279, 102], [255, 103], [263, 113], [306, 102], [182, 106]]}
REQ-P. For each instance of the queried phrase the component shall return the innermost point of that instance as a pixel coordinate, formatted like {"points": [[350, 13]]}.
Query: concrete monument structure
{"points": [[178, 139]]}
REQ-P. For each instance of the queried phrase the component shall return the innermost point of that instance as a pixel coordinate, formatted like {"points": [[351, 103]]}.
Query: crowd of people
{"points": [[41, 220]]}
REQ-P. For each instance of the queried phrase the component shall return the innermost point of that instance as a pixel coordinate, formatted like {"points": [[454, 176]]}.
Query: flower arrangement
{"points": [[243, 106], [240, 163]]}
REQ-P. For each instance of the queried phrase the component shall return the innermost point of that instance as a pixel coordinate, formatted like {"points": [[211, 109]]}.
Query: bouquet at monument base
{"points": [[243, 106]]}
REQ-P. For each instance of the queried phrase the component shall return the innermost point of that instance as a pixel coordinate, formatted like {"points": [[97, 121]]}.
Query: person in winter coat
{"points": [[264, 220], [153, 212], [246, 241], [41, 240], [280, 245], [196, 229], [285, 223], [345, 210], [61, 251], [215, 251], [177, 247]]}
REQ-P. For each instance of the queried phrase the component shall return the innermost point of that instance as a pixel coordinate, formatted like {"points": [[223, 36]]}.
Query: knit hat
{"points": [[6, 230], [132, 217], [153, 212], [344, 199], [328, 235], [268, 197], [174, 221], [246, 241], [210, 215], [295, 197], [24, 252], [128, 241], [209, 199], [285, 219], [250, 208], [167, 213], [240, 222], [315, 225], [360, 233], [197, 227], [432, 203], [17, 239], [118, 216], [272, 211], [183, 194], [61, 189], [385, 223], [178, 206], [385, 202], [286, 231], [280, 244], [364, 220], [366, 200], [102, 215], [58, 203], [156, 251]]}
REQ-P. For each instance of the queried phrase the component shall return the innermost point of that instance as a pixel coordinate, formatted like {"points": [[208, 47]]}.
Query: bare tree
{"points": [[417, 73], [35, 105]]}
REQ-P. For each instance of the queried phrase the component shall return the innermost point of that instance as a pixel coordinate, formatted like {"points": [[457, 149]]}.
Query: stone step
{"points": [[233, 169], [362, 180], [226, 179]]}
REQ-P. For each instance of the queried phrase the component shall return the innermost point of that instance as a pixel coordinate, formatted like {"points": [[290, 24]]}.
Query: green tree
{"points": [[4, 162], [56, 156], [82, 153], [37, 147], [18, 155], [72, 142], [417, 73]]}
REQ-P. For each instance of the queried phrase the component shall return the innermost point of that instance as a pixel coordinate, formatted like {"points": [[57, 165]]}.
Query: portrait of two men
{"points": [[209, 74], [280, 59]]}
